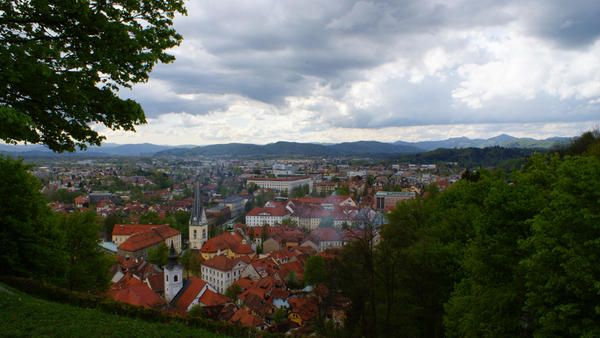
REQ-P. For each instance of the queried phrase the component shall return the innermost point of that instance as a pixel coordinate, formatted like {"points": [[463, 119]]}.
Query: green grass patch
{"points": [[25, 315]]}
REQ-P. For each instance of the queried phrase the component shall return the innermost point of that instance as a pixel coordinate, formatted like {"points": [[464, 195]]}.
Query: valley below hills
{"points": [[282, 148]]}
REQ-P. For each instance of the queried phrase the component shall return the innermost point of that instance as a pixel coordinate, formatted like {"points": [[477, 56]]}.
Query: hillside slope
{"points": [[25, 315]]}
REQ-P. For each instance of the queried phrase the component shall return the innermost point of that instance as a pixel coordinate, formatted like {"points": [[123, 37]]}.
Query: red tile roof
{"points": [[227, 240], [286, 268], [210, 298], [244, 317], [137, 294], [276, 212], [326, 234], [130, 229], [306, 307], [191, 292], [222, 263], [286, 179], [156, 281], [244, 283], [146, 239]]}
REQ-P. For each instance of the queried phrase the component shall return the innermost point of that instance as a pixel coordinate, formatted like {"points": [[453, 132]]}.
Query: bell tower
{"points": [[198, 229], [173, 274]]}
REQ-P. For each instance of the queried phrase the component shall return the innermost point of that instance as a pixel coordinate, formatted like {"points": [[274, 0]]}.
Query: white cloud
{"points": [[523, 67], [268, 70]]}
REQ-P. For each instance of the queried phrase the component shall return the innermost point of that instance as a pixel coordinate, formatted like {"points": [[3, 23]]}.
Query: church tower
{"points": [[198, 230], [173, 272]]}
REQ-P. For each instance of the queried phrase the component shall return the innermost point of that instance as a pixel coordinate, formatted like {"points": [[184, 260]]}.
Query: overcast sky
{"points": [[332, 71]]}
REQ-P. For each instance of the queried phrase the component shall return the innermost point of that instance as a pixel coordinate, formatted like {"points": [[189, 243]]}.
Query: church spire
{"points": [[197, 209], [172, 256]]}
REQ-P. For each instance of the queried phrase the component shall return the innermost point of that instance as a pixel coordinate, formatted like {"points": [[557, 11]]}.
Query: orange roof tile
{"points": [[244, 283], [227, 240], [138, 294], [145, 239], [222, 263], [130, 229], [244, 317], [278, 212], [191, 292], [210, 298]]}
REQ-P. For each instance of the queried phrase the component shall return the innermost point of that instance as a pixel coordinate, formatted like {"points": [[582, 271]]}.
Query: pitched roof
{"points": [[156, 281], [136, 294], [244, 317], [227, 240], [306, 307], [210, 298], [244, 283], [146, 239], [130, 229], [222, 263], [191, 292], [276, 212], [288, 267], [326, 234]]}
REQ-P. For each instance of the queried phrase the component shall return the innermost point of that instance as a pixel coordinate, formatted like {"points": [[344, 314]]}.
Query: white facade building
{"points": [[282, 183], [220, 272]]}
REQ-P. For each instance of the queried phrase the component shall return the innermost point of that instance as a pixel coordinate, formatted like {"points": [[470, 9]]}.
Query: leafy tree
{"points": [[292, 281], [158, 255], [62, 195], [110, 221], [197, 311], [87, 267], [343, 190], [151, 217], [289, 221], [31, 244], [195, 265], [314, 270], [185, 260], [563, 269], [233, 291], [63, 64]]}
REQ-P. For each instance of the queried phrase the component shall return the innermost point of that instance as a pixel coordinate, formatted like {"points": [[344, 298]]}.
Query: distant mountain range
{"points": [[289, 148]]}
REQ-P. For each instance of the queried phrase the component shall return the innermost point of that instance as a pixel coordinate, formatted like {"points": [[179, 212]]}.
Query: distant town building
{"points": [[385, 199], [235, 204], [280, 169], [220, 272], [280, 184], [271, 216], [138, 243]]}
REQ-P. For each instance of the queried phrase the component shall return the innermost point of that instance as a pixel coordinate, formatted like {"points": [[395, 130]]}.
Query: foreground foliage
{"points": [[24, 315], [34, 242], [498, 254], [62, 63]]}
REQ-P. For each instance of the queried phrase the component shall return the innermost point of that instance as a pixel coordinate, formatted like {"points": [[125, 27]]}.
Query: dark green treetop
{"points": [[62, 62]]}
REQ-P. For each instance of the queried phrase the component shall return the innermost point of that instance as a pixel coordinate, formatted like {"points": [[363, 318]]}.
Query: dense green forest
{"points": [[497, 255], [35, 242]]}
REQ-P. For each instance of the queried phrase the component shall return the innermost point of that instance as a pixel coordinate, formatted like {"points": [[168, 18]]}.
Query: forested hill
{"points": [[474, 157], [368, 148], [294, 149]]}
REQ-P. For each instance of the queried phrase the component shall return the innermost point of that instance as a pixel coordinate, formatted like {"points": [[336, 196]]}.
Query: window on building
{"points": [[175, 278], [167, 278], [195, 234]]}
